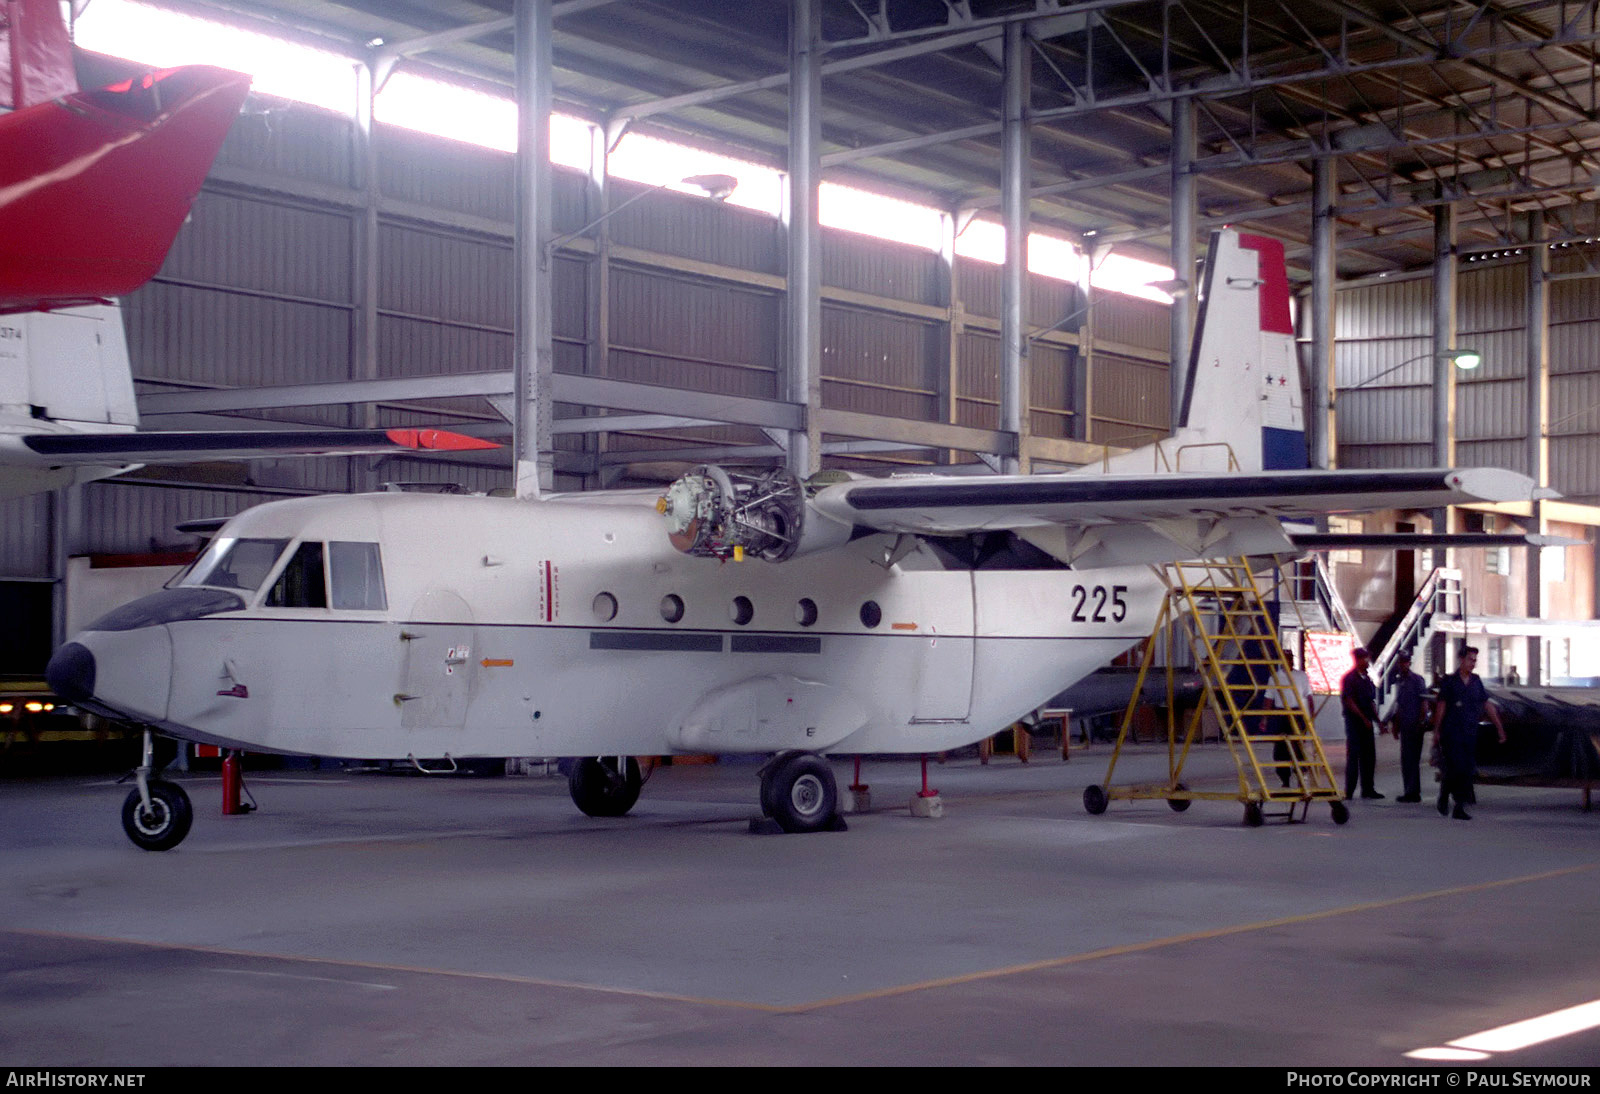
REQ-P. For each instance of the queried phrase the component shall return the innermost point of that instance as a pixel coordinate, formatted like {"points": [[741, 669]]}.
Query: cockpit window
{"points": [[233, 563], [301, 585], [357, 576]]}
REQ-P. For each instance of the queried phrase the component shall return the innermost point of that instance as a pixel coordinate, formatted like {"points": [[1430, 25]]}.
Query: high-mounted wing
{"points": [[1091, 520]]}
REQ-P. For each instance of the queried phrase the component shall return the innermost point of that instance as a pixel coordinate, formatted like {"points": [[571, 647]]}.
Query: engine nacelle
{"points": [[717, 512]]}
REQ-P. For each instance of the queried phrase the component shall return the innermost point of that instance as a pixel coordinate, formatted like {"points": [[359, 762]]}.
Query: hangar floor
{"points": [[363, 919]]}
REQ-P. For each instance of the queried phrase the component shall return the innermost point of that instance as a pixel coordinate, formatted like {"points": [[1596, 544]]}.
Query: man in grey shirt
{"points": [[1408, 720]]}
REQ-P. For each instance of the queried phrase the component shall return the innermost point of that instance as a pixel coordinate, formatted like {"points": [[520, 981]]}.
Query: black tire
{"points": [[801, 793], [1095, 800], [166, 823], [1252, 814], [1178, 805], [1341, 812], [600, 789]]}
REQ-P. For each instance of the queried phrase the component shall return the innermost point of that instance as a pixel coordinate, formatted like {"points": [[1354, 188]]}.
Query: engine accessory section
{"points": [[714, 512]]}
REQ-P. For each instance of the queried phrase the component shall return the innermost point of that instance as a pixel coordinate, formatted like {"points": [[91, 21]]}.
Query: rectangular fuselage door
{"points": [[439, 663], [944, 678]]}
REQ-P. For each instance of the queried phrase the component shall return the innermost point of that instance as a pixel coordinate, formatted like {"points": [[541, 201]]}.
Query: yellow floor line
{"points": [[1175, 940], [835, 1001]]}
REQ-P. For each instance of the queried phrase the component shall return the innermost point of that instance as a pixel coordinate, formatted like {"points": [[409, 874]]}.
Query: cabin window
{"points": [[871, 614], [672, 607], [357, 573], [234, 563], [605, 607], [303, 583], [742, 610], [805, 612]]}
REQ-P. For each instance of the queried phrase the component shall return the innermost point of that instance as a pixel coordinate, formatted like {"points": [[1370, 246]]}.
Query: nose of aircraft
{"points": [[70, 673], [120, 674]]}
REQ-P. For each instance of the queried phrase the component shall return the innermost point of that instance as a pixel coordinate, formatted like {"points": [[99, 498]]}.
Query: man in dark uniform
{"points": [[1408, 720], [1359, 698], [1461, 705]]}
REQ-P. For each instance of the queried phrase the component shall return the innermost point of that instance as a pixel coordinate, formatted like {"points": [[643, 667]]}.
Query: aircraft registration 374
{"points": [[741, 612]]}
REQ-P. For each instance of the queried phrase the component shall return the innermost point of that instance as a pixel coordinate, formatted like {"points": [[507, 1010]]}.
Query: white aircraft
{"points": [[741, 612], [67, 412], [94, 186]]}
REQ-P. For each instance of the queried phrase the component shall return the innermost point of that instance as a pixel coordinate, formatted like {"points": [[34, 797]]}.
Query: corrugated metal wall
{"points": [[25, 538], [1384, 363], [263, 288]]}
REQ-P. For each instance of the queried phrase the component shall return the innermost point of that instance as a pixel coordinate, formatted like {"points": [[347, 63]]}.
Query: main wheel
{"points": [[1095, 800], [601, 788], [162, 826], [800, 793]]}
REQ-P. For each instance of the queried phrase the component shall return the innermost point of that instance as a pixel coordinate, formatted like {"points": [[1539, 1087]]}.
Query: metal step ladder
{"points": [[1216, 608]]}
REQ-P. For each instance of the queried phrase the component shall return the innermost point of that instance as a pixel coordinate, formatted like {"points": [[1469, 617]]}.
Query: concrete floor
{"points": [[368, 919]]}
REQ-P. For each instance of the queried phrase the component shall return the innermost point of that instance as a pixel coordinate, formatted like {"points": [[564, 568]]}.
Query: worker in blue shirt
{"points": [[1461, 705]]}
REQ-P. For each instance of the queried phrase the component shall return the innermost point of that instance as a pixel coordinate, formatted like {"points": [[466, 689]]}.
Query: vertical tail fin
{"points": [[1244, 377]]}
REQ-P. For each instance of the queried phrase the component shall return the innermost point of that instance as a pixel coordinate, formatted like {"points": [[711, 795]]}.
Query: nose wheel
{"points": [[162, 824], [156, 814]]}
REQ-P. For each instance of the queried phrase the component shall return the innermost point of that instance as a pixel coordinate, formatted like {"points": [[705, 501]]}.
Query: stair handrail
{"points": [[1327, 594], [1415, 624]]}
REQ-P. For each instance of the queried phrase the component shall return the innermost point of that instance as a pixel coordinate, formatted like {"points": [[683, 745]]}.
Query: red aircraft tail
{"points": [[94, 185]]}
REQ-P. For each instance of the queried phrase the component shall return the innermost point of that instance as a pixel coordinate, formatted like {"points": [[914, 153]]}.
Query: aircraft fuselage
{"points": [[570, 627]]}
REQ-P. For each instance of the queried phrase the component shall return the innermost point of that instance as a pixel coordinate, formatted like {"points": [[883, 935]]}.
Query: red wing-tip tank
{"points": [[743, 611]]}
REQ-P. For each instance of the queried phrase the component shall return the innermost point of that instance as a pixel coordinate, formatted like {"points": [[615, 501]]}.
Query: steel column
{"points": [[1444, 340], [535, 455], [1183, 268], [949, 297], [804, 235], [1014, 186], [1324, 182], [597, 347], [364, 315], [1537, 423]]}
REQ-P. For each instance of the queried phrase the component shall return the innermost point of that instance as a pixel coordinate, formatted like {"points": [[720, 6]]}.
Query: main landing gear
{"points": [[157, 814], [798, 791], [605, 786]]}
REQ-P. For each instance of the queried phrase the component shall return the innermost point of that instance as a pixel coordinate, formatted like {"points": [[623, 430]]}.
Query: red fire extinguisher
{"points": [[231, 784]]}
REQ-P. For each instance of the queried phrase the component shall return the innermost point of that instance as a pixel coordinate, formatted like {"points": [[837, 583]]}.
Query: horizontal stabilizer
{"points": [[242, 444]]}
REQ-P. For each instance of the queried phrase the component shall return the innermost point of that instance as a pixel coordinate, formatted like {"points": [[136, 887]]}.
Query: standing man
{"points": [[1359, 698], [1408, 720], [1461, 705]]}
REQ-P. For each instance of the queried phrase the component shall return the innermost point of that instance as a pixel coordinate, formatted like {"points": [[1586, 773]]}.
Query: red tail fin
{"points": [[94, 186]]}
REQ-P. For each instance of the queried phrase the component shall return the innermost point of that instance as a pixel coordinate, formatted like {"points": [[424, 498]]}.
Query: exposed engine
{"points": [[716, 512]]}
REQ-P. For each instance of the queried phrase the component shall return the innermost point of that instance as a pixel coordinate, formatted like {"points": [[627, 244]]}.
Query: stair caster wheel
{"points": [[1341, 812], [1095, 800], [1178, 805], [1252, 814]]}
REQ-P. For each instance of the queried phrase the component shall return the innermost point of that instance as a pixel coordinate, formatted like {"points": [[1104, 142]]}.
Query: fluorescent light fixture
{"points": [[1516, 1035]]}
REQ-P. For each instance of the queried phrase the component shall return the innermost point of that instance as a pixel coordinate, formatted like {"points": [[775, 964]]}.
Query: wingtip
{"points": [[438, 440]]}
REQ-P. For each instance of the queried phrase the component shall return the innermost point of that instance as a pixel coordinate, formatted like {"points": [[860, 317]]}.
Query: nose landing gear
{"points": [[157, 814]]}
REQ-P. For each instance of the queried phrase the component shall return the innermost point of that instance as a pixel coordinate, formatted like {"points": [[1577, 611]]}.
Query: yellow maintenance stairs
{"points": [[1217, 608]]}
